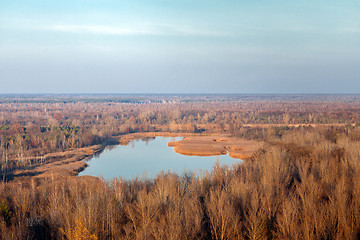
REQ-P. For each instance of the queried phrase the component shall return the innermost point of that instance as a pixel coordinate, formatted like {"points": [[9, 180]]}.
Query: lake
{"points": [[146, 158]]}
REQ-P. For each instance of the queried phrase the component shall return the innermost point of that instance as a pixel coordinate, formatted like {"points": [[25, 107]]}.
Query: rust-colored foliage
{"points": [[303, 184], [78, 232]]}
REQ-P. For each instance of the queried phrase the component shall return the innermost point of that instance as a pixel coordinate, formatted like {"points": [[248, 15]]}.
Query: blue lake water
{"points": [[146, 158]]}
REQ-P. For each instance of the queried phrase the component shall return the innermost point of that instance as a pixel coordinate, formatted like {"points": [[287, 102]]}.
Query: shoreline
{"points": [[216, 144], [68, 163], [71, 162]]}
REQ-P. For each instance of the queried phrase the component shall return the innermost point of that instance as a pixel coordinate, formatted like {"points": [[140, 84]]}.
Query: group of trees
{"points": [[304, 182], [33, 127], [300, 185]]}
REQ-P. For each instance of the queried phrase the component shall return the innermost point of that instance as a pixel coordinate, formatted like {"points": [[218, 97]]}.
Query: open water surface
{"points": [[146, 158]]}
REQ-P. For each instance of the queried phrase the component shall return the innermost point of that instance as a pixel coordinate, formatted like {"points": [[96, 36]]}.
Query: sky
{"points": [[179, 46]]}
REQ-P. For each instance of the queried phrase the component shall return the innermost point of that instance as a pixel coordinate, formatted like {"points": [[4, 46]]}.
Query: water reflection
{"points": [[148, 156]]}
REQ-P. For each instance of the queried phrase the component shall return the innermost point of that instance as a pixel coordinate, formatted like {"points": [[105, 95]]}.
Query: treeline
{"points": [[300, 185], [31, 127]]}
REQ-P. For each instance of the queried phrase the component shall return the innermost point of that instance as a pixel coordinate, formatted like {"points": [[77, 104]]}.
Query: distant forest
{"points": [[304, 182], [35, 125]]}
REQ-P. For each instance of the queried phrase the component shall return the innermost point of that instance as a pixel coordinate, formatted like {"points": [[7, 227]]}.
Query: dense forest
{"points": [[303, 183]]}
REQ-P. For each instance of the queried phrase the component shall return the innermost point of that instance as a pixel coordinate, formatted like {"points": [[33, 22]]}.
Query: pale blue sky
{"points": [[179, 46]]}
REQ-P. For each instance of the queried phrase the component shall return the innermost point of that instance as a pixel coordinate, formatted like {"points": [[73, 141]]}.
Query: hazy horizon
{"points": [[176, 93], [179, 47]]}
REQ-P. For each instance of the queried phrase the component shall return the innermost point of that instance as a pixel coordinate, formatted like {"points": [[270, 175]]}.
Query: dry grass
{"points": [[302, 186], [216, 144]]}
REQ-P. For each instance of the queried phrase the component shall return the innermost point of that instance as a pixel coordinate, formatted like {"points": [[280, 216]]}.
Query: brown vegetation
{"points": [[303, 183], [33, 126], [216, 144], [62, 163], [70, 162], [299, 186]]}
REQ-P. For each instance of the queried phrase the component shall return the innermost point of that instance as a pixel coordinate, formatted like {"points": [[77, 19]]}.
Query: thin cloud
{"points": [[146, 29], [102, 30], [351, 30]]}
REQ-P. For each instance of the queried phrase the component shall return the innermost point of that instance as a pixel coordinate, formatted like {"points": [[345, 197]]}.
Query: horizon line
{"points": [[183, 93]]}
